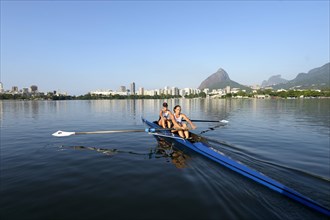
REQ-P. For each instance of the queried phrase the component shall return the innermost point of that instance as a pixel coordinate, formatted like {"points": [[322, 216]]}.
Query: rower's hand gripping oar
{"points": [[70, 133]]}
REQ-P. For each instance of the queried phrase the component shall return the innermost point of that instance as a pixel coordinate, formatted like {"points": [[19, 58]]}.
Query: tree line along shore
{"points": [[290, 94]]}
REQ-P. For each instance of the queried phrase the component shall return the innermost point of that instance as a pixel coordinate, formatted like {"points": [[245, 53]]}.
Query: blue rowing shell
{"points": [[210, 153]]}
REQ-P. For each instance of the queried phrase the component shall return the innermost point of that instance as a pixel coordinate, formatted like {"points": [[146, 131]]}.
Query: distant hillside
{"points": [[219, 80], [273, 80], [317, 78]]}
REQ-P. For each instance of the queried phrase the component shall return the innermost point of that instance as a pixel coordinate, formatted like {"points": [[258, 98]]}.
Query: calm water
{"points": [[129, 176]]}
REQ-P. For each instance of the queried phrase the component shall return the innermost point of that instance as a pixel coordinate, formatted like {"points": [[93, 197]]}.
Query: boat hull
{"points": [[199, 146]]}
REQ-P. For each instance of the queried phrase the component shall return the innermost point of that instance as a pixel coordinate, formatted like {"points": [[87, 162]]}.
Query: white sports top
{"points": [[166, 115], [179, 119]]}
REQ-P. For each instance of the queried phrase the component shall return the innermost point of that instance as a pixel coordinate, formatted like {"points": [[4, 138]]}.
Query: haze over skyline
{"points": [[80, 46]]}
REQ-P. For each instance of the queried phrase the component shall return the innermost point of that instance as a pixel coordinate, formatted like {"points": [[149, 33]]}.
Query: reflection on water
{"points": [[311, 110], [132, 105], [105, 151], [134, 109], [178, 158], [162, 150], [1, 113], [17, 108]]}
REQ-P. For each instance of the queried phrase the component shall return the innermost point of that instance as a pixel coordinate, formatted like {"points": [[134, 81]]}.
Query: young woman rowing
{"points": [[181, 127], [165, 117]]}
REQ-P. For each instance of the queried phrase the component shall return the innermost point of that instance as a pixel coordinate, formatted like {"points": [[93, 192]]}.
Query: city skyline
{"points": [[122, 89], [81, 46]]}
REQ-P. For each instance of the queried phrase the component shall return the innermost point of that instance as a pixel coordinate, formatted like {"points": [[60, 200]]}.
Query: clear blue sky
{"points": [[79, 46]]}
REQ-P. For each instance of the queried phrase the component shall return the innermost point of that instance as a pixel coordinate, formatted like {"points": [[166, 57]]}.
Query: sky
{"points": [[80, 46]]}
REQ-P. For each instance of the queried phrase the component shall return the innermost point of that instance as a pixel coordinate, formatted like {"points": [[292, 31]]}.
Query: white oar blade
{"points": [[224, 121], [63, 133]]}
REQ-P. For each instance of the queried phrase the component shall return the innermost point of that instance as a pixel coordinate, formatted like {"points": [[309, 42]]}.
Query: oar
{"points": [[197, 120], [70, 133]]}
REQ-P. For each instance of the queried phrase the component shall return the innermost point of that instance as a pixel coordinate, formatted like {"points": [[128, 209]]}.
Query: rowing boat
{"points": [[199, 145]]}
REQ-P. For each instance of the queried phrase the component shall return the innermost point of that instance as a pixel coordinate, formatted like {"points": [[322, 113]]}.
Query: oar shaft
{"points": [[108, 132], [65, 133], [197, 120], [124, 131]]}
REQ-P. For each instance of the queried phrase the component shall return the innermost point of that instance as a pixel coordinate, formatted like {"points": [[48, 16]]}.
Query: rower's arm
{"points": [[193, 126]]}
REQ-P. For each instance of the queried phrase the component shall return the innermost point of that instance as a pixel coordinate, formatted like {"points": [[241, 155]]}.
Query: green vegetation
{"points": [[295, 93], [274, 94], [49, 96]]}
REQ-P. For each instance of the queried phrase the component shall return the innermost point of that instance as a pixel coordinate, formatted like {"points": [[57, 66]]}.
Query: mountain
{"points": [[317, 78], [273, 80], [219, 80]]}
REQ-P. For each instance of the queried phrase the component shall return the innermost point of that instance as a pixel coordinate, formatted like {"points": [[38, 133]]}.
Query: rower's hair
{"points": [[176, 107]]}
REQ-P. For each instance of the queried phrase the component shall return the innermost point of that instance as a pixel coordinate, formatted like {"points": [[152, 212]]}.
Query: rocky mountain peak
{"points": [[220, 75], [218, 80], [273, 80]]}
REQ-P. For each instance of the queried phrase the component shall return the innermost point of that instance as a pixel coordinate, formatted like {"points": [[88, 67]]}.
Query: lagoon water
{"points": [[130, 176]]}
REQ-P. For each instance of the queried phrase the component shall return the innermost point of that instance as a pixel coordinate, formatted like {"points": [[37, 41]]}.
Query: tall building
{"points": [[25, 90], [1, 87], [122, 89], [227, 89], [133, 88], [141, 91], [14, 89], [34, 89], [175, 91]]}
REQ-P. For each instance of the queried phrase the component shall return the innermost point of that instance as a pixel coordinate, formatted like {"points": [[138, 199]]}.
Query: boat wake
{"points": [[241, 154], [310, 184]]}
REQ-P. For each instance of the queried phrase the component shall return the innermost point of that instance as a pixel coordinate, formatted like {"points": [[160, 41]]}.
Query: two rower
{"points": [[167, 119]]}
